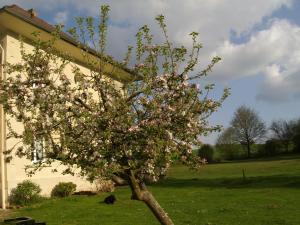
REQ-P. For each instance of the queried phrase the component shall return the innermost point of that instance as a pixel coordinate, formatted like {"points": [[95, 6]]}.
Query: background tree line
{"points": [[248, 137]]}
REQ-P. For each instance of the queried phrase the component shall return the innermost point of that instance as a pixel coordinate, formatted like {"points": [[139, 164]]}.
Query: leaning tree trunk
{"points": [[141, 193]]}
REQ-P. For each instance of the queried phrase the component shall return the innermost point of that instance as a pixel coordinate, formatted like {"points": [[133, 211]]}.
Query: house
{"points": [[15, 21]]}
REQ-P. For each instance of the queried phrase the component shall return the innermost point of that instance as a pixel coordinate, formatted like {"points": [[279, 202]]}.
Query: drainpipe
{"points": [[2, 161]]}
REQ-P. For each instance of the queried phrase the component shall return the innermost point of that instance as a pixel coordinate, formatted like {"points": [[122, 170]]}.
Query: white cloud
{"points": [[274, 52], [213, 19], [61, 17]]}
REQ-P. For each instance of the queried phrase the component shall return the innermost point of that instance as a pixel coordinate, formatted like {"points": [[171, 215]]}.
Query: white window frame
{"points": [[38, 151]]}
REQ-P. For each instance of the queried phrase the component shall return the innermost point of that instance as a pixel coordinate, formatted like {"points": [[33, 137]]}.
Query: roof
{"points": [[30, 17]]}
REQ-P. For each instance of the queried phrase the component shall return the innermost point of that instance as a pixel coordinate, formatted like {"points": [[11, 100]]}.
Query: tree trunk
{"points": [[119, 180], [248, 149], [141, 193], [156, 209], [287, 146]]}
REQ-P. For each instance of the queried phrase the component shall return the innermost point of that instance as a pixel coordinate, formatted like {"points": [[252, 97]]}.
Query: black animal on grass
{"points": [[110, 199]]}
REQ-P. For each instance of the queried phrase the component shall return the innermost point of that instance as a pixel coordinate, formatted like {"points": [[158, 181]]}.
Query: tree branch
{"points": [[82, 103]]}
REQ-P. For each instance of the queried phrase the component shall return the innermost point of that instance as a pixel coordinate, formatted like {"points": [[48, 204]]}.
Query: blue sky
{"points": [[258, 41]]}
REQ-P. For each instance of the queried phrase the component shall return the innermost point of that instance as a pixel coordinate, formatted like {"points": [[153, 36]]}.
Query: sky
{"points": [[258, 41]]}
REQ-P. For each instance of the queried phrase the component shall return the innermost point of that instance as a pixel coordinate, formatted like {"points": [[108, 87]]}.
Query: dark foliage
{"points": [[206, 152], [272, 147], [25, 193], [63, 189]]}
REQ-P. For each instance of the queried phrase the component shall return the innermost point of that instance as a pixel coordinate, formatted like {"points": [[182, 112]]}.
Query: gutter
{"points": [[3, 144]]}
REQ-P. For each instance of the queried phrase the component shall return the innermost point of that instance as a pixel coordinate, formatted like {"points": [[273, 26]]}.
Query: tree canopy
{"points": [[283, 131], [246, 128], [85, 121]]}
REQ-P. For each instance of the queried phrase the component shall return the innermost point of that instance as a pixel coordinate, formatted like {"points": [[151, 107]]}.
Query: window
{"points": [[37, 154], [36, 85]]}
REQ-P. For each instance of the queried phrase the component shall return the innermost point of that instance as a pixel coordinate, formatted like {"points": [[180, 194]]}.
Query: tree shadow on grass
{"points": [[264, 159], [276, 181]]}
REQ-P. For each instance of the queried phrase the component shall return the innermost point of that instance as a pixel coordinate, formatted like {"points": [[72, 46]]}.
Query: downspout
{"points": [[3, 144]]}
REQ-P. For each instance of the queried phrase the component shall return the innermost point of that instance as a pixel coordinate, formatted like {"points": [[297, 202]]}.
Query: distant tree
{"points": [[283, 131], [246, 127], [206, 152], [272, 147], [226, 137], [226, 145], [296, 135]]}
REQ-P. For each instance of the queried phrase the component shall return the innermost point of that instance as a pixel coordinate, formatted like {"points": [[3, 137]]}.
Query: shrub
{"points": [[25, 193], [63, 189], [296, 141], [272, 147], [258, 150], [207, 152], [103, 185], [230, 151]]}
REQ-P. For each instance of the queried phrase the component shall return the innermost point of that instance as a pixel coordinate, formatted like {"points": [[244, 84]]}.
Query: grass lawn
{"points": [[215, 195]]}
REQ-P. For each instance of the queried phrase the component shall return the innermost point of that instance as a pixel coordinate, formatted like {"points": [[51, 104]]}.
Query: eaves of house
{"points": [[24, 23]]}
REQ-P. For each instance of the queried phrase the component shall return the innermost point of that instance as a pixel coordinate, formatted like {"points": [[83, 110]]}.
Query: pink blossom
{"points": [[170, 108], [170, 135], [133, 128]]}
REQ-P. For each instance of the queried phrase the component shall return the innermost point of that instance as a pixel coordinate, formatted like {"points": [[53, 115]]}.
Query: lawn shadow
{"points": [[278, 181], [263, 159]]}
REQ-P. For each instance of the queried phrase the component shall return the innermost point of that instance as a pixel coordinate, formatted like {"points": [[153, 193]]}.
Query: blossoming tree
{"points": [[131, 133]]}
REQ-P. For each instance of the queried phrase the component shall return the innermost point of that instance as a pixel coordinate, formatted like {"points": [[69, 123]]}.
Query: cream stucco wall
{"points": [[11, 26], [16, 168]]}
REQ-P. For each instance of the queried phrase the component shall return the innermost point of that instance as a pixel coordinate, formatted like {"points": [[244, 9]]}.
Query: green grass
{"points": [[215, 195]]}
